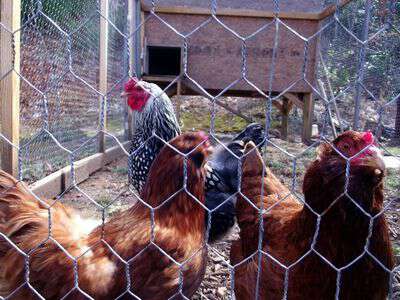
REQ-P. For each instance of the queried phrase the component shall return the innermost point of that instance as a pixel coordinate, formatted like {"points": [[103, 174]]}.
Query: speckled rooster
{"points": [[153, 112]]}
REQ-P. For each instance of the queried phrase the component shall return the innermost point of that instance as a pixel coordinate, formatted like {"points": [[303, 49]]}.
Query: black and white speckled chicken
{"points": [[153, 112]]}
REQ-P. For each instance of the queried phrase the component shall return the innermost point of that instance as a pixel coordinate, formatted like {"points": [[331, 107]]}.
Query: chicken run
{"points": [[117, 183]]}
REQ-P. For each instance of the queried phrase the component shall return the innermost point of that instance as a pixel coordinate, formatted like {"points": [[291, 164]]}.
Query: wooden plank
{"points": [[294, 99], [10, 16], [232, 12], [57, 182], [307, 117], [219, 102], [81, 174], [49, 186], [134, 38], [178, 100], [115, 152], [142, 42], [285, 118], [159, 78], [176, 9], [103, 64], [132, 59]]}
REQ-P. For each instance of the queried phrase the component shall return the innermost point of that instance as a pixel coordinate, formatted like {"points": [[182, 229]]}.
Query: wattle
{"points": [[138, 100]]}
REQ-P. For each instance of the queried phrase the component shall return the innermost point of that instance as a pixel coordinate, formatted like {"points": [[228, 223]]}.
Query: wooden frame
{"points": [[10, 17], [134, 42], [56, 183], [247, 12], [103, 49], [285, 118], [132, 15], [307, 117]]}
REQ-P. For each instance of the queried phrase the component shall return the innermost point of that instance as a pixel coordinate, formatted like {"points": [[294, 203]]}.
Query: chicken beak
{"points": [[124, 94]]}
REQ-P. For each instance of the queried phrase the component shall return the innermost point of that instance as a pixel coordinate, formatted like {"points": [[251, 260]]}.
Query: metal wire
{"points": [[60, 112]]}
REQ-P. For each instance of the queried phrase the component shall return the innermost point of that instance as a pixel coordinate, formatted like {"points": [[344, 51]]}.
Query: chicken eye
{"points": [[346, 147]]}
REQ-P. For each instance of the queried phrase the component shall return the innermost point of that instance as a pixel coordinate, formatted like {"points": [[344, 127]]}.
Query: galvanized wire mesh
{"points": [[61, 112], [60, 58]]}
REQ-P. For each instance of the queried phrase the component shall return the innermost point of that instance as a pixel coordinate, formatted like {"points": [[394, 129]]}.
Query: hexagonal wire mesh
{"points": [[60, 112], [60, 58]]}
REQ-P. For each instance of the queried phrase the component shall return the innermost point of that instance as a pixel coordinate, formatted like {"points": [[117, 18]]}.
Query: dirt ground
{"points": [[108, 187]]}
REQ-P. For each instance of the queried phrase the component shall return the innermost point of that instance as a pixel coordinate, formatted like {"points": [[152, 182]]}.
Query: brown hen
{"points": [[127, 256], [305, 249]]}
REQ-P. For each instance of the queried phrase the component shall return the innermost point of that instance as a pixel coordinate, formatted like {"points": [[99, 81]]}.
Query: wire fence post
{"points": [[103, 64], [10, 17]]}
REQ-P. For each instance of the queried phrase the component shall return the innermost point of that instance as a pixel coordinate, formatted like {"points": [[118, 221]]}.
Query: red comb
{"points": [[368, 137], [130, 84]]}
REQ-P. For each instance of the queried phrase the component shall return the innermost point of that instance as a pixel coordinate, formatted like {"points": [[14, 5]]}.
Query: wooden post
{"points": [[134, 41], [134, 51], [178, 100], [103, 49], [10, 16], [285, 118], [308, 110]]}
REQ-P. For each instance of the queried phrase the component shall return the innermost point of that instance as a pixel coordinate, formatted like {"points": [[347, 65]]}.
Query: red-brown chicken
{"points": [[127, 253], [296, 241]]}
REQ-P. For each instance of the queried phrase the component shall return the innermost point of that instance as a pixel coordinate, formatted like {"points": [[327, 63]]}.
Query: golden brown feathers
{"points": [[127, 246], [290, 228]]}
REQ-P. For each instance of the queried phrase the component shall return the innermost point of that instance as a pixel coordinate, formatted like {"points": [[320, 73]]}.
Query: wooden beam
{"points": [[159, 78], [103, 49], [231, 12], [134, 14], [278, 106], [10, 16], [178, 100], [285, 118], [133, 57], [307, 117], [57, 182], [235, 12], [189, 84], [294, 99]]}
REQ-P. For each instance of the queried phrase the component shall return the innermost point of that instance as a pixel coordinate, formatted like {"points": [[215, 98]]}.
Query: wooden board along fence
{"points": [[59, 181]]}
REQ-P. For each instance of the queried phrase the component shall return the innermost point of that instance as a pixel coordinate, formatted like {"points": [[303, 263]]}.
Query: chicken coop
{"points": [[68, 136], [184, 39]]}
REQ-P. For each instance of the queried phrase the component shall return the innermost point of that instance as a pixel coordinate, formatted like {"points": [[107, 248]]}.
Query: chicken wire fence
{"points": [[59, 72], [63, 109]]}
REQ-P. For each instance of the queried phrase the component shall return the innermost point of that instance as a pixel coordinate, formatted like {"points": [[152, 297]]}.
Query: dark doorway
{"points": [[164, 60]]}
